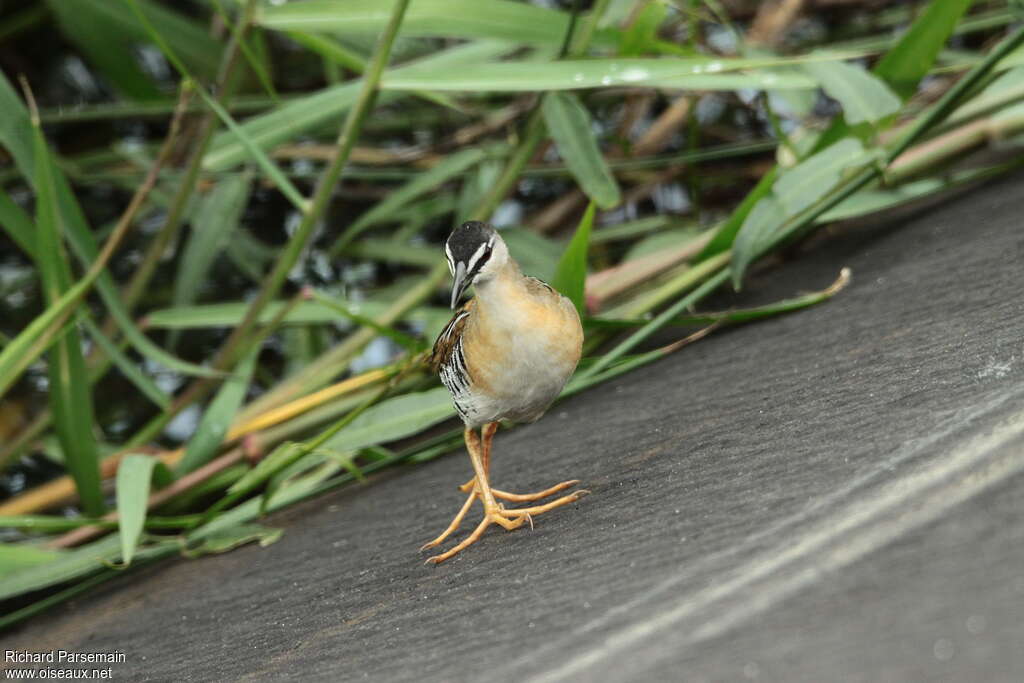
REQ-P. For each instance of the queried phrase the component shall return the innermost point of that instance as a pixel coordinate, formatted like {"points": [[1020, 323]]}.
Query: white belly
{"points": [[527, 378]]}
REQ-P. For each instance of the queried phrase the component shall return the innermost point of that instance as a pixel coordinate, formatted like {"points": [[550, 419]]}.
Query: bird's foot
{"points": [[522, 497], [509, 518]]}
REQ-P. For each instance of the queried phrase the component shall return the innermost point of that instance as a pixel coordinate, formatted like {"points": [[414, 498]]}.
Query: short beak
{"points": [[460, 284]]}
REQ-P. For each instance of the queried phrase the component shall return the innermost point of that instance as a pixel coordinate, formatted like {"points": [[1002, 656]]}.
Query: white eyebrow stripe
{"points": [[476, 257], [449, 258]]}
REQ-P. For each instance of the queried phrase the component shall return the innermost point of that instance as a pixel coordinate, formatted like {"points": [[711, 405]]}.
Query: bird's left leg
{"points": [[477, 454], [493, 512], [486, 437]]}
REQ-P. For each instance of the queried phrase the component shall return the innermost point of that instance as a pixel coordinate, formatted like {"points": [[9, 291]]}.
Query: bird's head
{"points": [[475, 253]]}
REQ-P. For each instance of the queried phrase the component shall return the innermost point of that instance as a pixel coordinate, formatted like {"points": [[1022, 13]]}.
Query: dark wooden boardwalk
{"points": [[833, 495]]}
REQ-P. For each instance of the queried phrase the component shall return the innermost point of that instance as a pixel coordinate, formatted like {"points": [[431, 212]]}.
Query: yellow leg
{"points": [[487, 437], [454, 525], [494, 513]]}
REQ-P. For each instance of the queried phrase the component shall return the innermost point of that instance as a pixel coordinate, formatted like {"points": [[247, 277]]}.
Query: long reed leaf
{"points": [[497, 19], [215, 219], [864, 97], [304, 313], [134, 475], [128, 368], [19, 556], [107, 48], [218, 417], [910, 59], [305, 114], [393, 419], [17, 224], [571, 275], [69, 390], [570, 126], [724, 74]]}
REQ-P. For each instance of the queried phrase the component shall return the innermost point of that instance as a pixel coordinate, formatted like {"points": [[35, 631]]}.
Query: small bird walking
{"points": [[505, 355]]}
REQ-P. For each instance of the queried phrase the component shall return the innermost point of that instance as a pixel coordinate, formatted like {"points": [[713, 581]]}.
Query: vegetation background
{"points": [[221, 219]]}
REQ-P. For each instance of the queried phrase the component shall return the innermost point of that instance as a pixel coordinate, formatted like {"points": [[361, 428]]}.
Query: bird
{"points": [[504, 356]]}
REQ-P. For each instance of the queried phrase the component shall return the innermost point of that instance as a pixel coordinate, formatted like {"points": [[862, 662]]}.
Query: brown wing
{"points": [[445, 344]]}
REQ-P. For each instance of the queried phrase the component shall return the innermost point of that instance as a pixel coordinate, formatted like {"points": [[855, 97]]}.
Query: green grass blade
{"points": [[304, 313], [281, 457], [337, 54], [17, 224], [187, 37], [56, 523], [863, 97], [134, 475], [392, 251], [65, 566], [684, 74], [80, 562], [305, 114], [70, 396], [224, 540], [497, 19], [659, 321], [33, 341], [570, 126], [48, 523], [739, 315], [766, 218], [912, 57], [571, 274], [53, 599], [726, 233], [150, 350], [218, 417], [105, 47], [281, 123], [795, 190], [18, 556], [393, 419], [330, 49], [799, 187], [129, 369], [215, 220], [400, 338], [642, 33], [910, 60], [259, 66]]}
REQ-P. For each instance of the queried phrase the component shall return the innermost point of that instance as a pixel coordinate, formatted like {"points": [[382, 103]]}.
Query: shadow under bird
{"points": [[505, 355]]}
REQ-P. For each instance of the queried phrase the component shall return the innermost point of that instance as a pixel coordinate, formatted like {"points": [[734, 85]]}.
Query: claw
{"points": [[508, 518], [495, 512]]}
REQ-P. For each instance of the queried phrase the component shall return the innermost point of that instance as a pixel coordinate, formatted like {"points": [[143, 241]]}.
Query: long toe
{"points": [[541, 509], [528, 497], [456, 522]]}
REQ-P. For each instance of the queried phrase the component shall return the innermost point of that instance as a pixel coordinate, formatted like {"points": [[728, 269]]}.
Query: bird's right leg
{"points": [[493, 512], [487, 438]]}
